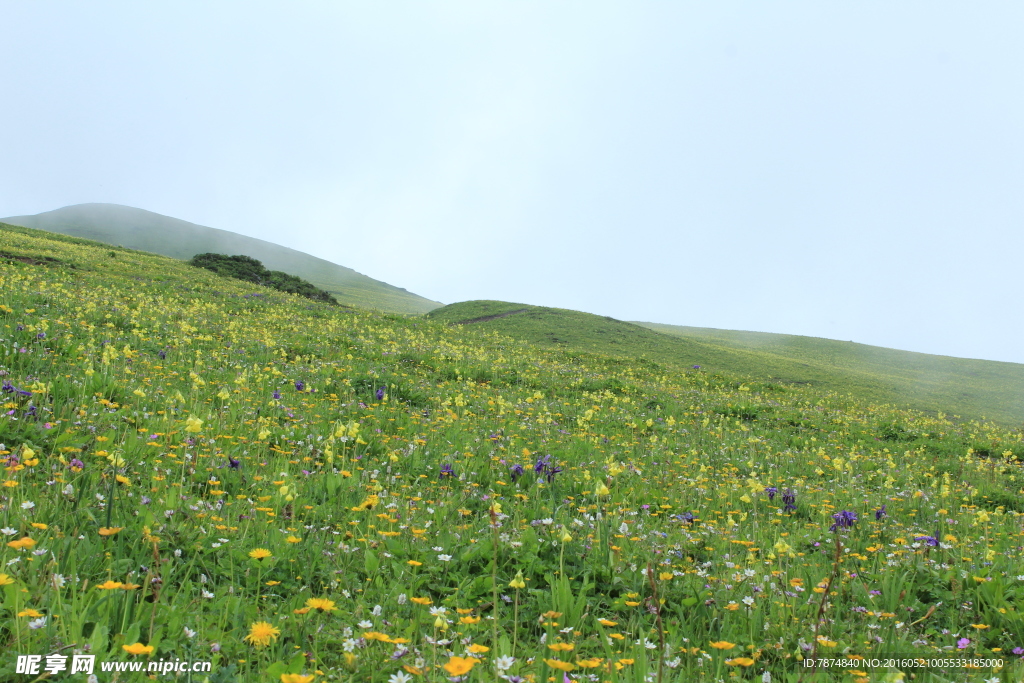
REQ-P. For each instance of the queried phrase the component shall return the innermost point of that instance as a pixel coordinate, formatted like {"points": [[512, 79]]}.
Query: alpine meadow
{"points": [[201, 468]]}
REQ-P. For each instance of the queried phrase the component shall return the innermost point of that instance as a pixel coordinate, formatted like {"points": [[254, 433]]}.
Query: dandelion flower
{"points": [[30, 613], [5, 580], [321, 604], [262, 633], [722, 645], [109, 585], [260, 554], [296, 678]]}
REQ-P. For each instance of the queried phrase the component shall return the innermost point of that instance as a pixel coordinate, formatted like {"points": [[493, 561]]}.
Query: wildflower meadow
{"points": [[201, 468]]}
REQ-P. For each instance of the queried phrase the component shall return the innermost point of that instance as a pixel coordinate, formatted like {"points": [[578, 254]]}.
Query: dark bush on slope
{"points": [[252, 270]]}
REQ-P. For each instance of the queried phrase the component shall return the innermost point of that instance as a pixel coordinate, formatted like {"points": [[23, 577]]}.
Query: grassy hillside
{"points": [[148, 231], [969, 388], [293, 491]]}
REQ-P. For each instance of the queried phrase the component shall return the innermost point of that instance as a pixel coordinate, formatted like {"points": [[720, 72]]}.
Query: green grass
{"points": [[937, 384], [147, 231], [202, 469]]}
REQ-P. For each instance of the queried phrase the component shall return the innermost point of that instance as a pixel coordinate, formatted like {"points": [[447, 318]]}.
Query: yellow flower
{"points": [[260, 554], [601, 489], [293, 539], [193, 424], [368, 503], [606, 622], [458, 666], [26, 452], [414, 563], [262, 633], [589, 663], [22, 543], [478, 649], [29, 613], [137, 649], [979, 626], [740, 661], [322, 604], [470, 620], [421, 601], [518, 581], [5, 580], [110, 530], [296, 678], [39, 525], [110, 585], [665, 576], [722, 645], [561, 647], [561, 666]]}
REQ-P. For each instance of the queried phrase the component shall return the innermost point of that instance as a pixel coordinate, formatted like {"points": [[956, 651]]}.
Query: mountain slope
{"points": [[969, 388], [153, 232]]}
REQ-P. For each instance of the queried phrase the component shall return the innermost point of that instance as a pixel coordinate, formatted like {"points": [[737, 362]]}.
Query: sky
{"points": [[843, 170]]}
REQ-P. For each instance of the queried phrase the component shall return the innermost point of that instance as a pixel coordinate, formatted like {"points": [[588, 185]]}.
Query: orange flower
{"points": [[722, 645], [110, 585], [110, 530], [25, 543], [296, 678], [421, 601], [740, 661], [137, 649], [458, 666], [561, 666]]}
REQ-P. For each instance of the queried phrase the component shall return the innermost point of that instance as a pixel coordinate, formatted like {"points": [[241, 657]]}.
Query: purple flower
{"points": [[446, 471], [234, 463], [75, 462], [515, 472], [880, 513], [380, 394], [277, 395], [789, 498], [162, 354], [696, 367], [41, 335], [542, 464], [550, 473], [963, 643], [300, 385], [1018, 651], [771, 491], [928, 540], [843, 520]]}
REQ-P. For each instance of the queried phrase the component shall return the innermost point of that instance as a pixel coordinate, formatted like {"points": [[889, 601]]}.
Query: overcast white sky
{"points": [[843, 170]]}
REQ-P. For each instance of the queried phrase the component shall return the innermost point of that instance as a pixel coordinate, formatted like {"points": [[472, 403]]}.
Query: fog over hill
{"points": [[147, 231]]}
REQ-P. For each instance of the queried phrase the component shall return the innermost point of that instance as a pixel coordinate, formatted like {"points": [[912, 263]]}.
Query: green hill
{"points": [[969, 388], [147, 231], [199, 468]]}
